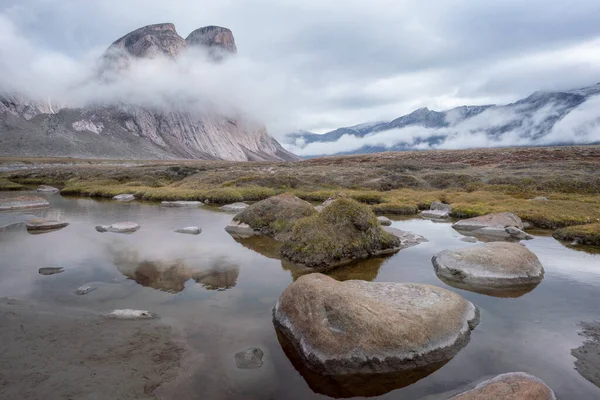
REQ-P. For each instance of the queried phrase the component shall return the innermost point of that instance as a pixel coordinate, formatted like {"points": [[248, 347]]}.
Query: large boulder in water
{"points": [[273, 217], [344, 231], [357, 327], [491, 265], [494, 226], [511, 386]]}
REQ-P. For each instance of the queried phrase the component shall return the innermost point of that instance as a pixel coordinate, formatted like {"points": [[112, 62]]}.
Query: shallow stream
{"points": [[220, 293]]}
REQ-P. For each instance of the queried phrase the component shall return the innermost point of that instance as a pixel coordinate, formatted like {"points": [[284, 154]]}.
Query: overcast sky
{"points": [[340, 63]]}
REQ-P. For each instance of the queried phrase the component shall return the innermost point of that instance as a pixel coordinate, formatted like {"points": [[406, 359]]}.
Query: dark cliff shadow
{"points": [[352, 385]]}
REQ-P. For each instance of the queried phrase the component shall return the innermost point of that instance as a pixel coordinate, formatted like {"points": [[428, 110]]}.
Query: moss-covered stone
{"points": [[344, 231], [276, 215], [582, 234]]}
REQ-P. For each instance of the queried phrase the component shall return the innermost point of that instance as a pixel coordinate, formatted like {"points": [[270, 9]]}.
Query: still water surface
{"points": [[219, 294]]}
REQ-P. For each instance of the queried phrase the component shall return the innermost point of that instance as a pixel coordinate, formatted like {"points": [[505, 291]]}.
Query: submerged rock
{"points": [[119, 227], [131, 314], [511, 386], [588, 354], [344, 231], [491, 265], [124, 197], [47, 189], [273, 217], [249, 359], [357, 327], [41, 224], [191, 230], [50, 270], [181, 203], [384, 221], [85, 289], [469, 239], [21, 202], [235, 207]]}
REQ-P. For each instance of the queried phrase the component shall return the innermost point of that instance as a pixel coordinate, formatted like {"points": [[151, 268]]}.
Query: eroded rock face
{"points": [[357, 327], [273, 217], [343, 232], [511, 386], [494, 265], [218, 40]]}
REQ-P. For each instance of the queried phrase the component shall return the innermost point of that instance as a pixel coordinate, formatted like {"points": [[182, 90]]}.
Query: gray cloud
{"points": [[337, 63]]}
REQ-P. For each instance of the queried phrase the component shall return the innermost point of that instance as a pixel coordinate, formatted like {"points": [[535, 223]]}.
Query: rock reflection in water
{"points": [[355, 385], [506, 292], [171, 276], [365, 270]]}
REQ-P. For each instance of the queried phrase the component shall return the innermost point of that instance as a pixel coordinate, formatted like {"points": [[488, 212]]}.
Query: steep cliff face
{"points": [[125, 130]]}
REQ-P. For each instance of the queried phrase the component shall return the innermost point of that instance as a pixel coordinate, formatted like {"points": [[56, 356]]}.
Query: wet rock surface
{"points": [[235, 207], [41, 224], [22, 202], [357, 327], [588, 354], [511, 386], [119, 227], [181, 203], [190, 230], [490, 265], [124, 197], [249, 359]]}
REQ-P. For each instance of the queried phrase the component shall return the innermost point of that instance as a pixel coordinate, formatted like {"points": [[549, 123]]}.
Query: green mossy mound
{"points": [[583, 234], [344, 231], [276, 215]]}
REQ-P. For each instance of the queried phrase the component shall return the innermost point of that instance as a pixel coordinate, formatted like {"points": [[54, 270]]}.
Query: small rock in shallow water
{"points": [[21, 202], [384, 221], [47, 189], [181, 203], [240, 230], [51, 270], [124, 197], [469, 239], [131, 314], [119, 227], [511, 386], [249, 359], [40, 224], [235, 207], [435, 214], [517, 233], [84, 289], [191, 230]]}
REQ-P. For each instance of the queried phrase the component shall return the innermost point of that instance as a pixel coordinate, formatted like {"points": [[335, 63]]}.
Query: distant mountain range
{"points": [[121, 129], [544, 118]]}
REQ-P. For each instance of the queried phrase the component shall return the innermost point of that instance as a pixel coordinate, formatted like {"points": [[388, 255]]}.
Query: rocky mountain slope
{"points": [[544, 118], [121, 129]]}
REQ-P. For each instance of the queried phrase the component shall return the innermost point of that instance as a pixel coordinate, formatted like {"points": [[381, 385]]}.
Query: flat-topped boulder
{"points": [[47, 189], [119, 227], [124, 197], [490, 265], [273, 217], [190, 230], [42, 224], [358, 327], [235, 207], [22, 202], [181, 203], [344, 231], [384, 221], [500, 226], [510, 386]]}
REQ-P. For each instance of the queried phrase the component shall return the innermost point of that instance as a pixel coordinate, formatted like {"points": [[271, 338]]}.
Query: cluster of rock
{"points": [[343, 231], [32, 224], [494, 226]]}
